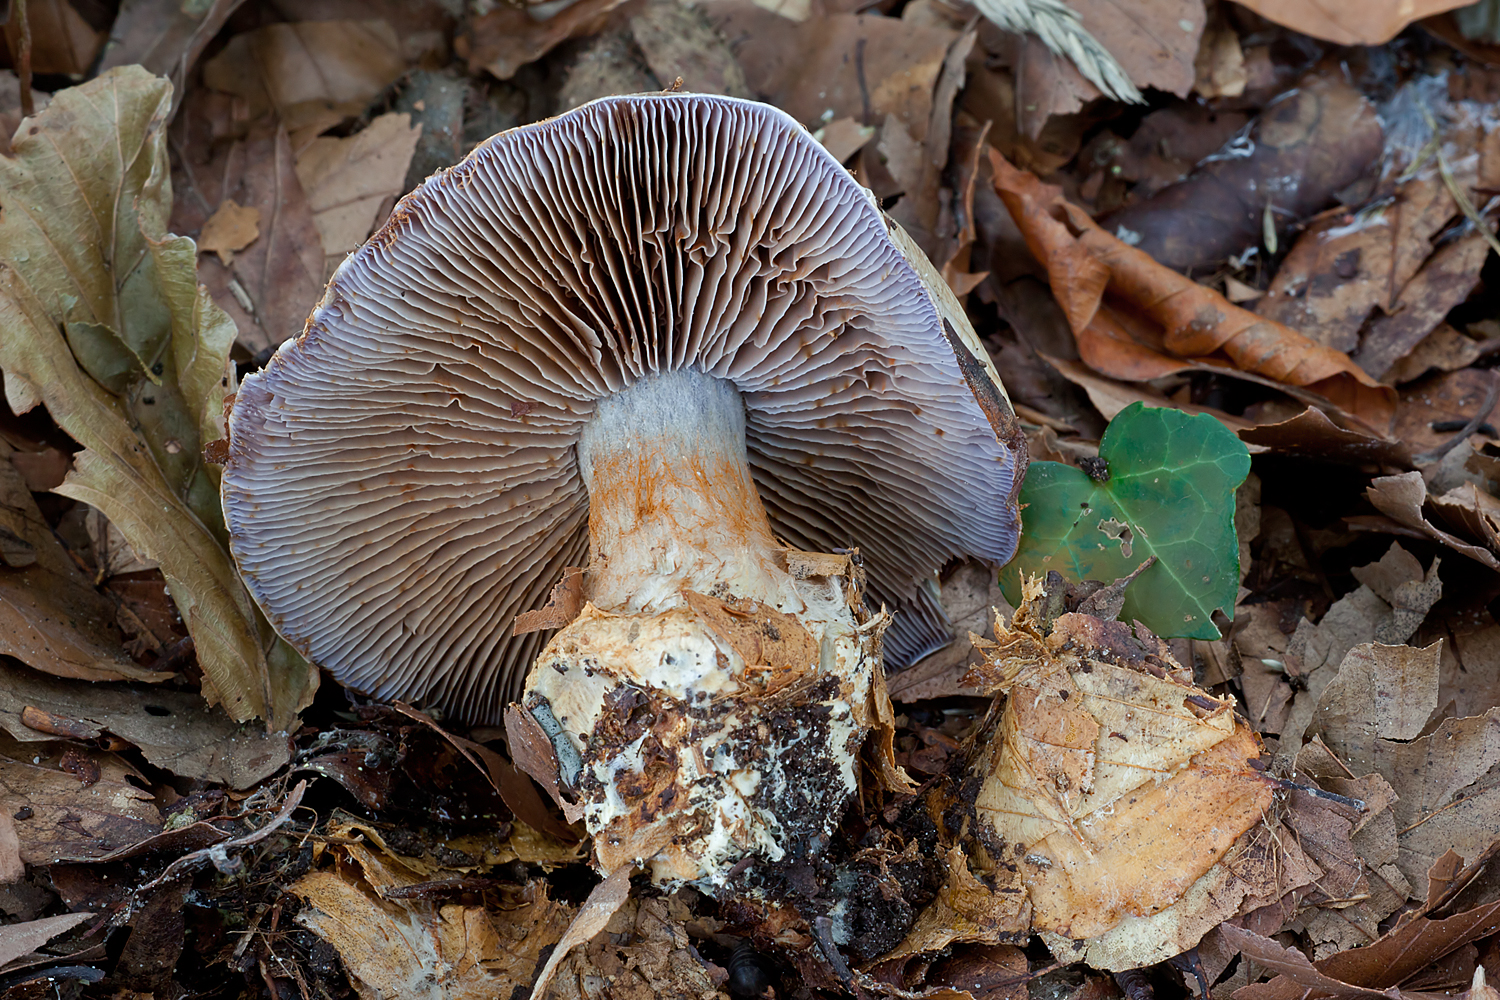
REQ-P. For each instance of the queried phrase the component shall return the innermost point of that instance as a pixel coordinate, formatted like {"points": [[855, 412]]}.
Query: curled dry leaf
{"points": [[1176, 324], [312, 74], [1113, 784], [1402, 498], [102, 319]]}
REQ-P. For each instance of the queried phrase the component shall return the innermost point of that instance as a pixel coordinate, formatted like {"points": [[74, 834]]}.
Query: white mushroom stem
{"points": [[672, 506]]}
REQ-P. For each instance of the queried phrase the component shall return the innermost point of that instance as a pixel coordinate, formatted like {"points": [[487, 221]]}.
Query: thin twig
{"points": [[218, 853]]}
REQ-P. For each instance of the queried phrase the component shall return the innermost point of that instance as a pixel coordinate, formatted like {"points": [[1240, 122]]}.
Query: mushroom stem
{"points": [[672, 506]]}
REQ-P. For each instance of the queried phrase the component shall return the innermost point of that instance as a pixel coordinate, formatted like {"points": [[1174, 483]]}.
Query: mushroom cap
{"points": [[402, 479]]}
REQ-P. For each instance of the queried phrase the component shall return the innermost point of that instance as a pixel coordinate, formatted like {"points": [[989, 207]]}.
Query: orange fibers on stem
{"points": [[672, 506]]}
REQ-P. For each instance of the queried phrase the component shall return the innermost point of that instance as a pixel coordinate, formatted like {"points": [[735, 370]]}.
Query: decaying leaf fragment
{"points": [[396, 942], [1113, 784]]}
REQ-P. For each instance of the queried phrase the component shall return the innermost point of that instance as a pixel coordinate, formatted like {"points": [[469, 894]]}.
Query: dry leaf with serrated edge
{"points": [[1113, 785], [134, 364]]}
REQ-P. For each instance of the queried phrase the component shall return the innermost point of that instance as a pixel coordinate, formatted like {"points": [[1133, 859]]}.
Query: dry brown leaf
{"points": [[1182, 323], [919, 210], [1110, 396], [83, 803], [1470, 681], [1381, 693], [1444, 350], [307, 71], [1333, 277], [346, 180], [229, 230], [679, 41], [1073, 781], [174, 730], [113, 554], [412, 949], [61, 40], [166, 38], [843, 137], [1402, 497], [1309, 143], [1447, 799], [1048, 86], [1442, 283], [1312, 435], [1372, 22], [19, 938], [1368, 973], [273, 283], [507, 38], [970, 596], [51, 617], [1155, 41], [840, 65], [1370, 718], [1316, 652]]}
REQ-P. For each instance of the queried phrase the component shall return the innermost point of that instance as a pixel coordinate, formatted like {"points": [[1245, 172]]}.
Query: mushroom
{"points": [[670, 340]]}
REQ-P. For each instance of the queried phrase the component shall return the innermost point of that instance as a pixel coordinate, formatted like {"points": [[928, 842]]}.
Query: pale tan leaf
{"points": [[1115, 786], [347, 179], [1372, 22], [229, 230]]}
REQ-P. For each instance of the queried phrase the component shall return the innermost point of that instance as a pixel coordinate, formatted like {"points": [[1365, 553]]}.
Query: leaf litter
{"points": [[1289, 241]]}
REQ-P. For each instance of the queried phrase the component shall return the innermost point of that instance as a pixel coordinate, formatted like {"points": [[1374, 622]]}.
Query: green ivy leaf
{"points": [[1170, 494], [102, 319]]}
